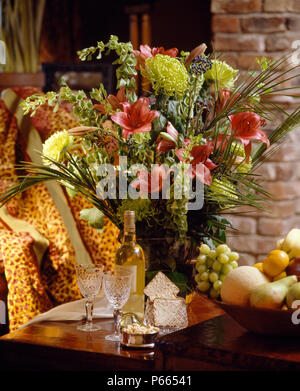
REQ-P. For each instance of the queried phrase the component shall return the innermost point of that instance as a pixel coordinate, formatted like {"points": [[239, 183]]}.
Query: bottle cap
{"points": [[129, 221]]}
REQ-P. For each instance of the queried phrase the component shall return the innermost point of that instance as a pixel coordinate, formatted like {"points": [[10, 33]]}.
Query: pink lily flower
{"points": [[135, 117]]}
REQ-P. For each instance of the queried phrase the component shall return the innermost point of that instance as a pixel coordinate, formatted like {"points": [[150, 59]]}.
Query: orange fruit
{"points": [[259, 266], [280, 276]]}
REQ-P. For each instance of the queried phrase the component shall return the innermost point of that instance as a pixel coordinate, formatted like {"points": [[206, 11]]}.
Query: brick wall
{"points": [[242, 31]]}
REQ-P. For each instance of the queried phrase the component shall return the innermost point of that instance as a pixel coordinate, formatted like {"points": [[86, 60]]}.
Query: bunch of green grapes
{"points": [[213, 266]]}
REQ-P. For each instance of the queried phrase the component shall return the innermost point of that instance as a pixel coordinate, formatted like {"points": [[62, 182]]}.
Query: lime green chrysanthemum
{"points": [[141, 138], [223, 191], [166, 74], [55, 146], [222, 74]]}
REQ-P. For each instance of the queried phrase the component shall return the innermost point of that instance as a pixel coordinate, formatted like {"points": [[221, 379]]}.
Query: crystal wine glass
{"points": [[117, 290], [89, 278]]}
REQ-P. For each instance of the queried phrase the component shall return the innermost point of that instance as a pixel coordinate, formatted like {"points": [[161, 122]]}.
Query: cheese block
{"points": [[166, 312], [161, 287], [148, 316]]}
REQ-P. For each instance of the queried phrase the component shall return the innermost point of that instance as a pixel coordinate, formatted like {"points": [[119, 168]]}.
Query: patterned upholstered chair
{"points": [[41, 234]]}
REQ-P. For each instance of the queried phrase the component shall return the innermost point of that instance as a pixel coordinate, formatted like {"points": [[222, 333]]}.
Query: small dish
{"points": [[139, 341]]}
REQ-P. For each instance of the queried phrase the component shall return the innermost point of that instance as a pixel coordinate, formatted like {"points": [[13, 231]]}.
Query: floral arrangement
{"points": [[196, 125]]}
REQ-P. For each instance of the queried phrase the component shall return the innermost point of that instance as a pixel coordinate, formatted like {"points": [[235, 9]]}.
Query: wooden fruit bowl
{"points": [[263, 320]]}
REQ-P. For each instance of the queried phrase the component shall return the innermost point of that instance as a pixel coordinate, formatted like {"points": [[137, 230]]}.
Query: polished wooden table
{"points": [[221, 344], [213, 341], [59, 345]]}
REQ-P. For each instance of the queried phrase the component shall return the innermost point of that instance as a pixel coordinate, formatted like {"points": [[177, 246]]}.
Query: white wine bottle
{"points": [[130, 256]]}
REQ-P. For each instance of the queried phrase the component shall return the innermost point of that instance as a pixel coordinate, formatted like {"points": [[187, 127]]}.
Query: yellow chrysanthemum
{"points": [[55, 146], [238, 149], [222, 74], [166, 74], [240, 161], [244, 168]]}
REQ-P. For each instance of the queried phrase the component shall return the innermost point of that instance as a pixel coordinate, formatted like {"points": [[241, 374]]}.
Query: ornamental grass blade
{"points": [[289, 124], [257, 85], [40, 174]]}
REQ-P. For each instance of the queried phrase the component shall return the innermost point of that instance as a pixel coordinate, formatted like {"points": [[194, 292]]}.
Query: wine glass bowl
{"points": [[117, 290], [89, 279]]}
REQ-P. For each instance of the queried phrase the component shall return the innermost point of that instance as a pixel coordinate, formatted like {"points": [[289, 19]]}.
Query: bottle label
{"points": [[133, 270], [129, 230]]}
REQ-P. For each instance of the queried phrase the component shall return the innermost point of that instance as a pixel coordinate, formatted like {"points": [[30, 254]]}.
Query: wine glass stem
{"points": [[89, 312], [117, 320]]}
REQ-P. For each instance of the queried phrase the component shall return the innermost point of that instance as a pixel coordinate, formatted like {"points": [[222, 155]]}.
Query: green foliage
{"points": [[94, 217], [180, 280], [216, 228], [143, 209], [125, 72], [33, 102]]}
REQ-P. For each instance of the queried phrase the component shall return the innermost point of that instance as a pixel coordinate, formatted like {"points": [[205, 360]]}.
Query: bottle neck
{"points": [[129, 237], [129, 226]]}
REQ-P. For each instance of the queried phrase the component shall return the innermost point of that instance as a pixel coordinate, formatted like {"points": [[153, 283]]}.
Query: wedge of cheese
{"points": [[148, 316], [161, 287], [163, 312]]}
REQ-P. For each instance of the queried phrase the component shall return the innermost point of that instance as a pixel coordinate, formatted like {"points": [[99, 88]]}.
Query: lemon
{"points": [[275, 263]]}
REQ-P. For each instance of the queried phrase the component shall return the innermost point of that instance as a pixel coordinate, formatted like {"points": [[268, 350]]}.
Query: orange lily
{"points": [[114, 100], [201, 165], [151, 182], [245, 127], [167, 140], [223, 98]]}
